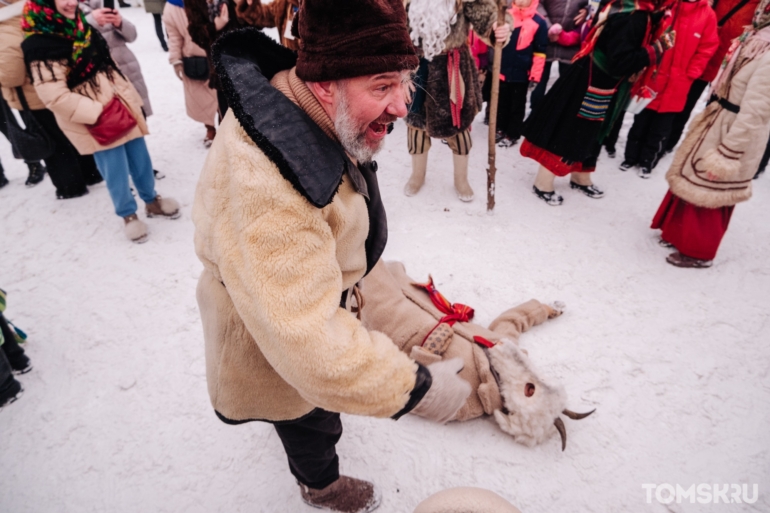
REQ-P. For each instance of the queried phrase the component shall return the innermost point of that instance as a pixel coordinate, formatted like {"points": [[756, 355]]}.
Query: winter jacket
{"points": [[278, 14], [200, 99], [74, 109], [725, 143], [525, 65], [696, 42], [562, 12], [732, 18], [13, 73], [284, 223], [125, 59]]}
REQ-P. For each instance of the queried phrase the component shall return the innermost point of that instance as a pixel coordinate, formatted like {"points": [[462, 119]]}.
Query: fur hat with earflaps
{"points": [[352, 38]]}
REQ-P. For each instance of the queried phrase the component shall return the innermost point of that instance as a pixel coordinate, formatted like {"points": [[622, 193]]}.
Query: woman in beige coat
{"points": [[200, 99], [713, 169], [70, 172], [75, 77]]}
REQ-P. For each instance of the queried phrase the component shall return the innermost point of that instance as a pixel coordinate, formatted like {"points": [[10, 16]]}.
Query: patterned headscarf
{"points": [[41, 17], [50, 37], [762, 15]]}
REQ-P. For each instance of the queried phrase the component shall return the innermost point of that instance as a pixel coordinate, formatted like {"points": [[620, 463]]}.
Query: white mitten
{"points": [[447, 394]]}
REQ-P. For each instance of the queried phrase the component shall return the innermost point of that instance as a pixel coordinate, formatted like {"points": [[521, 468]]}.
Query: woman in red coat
{"points": [[696, 29]]}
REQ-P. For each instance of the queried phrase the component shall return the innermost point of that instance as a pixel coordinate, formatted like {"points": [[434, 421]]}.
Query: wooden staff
{"points": [[493, 100]]}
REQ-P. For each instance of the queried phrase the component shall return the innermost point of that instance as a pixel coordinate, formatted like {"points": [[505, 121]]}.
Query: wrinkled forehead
{"points": [[391, 76]]}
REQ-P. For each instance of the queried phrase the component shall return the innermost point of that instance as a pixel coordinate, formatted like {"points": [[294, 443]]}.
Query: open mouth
{"points": [[379, 130]]}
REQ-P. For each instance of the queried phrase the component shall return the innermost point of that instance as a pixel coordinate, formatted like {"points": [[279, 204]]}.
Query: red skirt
{"points": [[694, 231], [552, 162]]}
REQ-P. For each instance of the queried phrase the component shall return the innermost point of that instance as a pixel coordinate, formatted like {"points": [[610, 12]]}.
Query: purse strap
{"points": [[22, 99]]}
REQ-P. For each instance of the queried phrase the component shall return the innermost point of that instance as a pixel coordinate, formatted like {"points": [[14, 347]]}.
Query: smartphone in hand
{"points": [[109, 4]]}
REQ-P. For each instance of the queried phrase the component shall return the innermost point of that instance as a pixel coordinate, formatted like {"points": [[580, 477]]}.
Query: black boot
{"points": [[19, 361], [9, 391], [3, 179], [36, 174]]}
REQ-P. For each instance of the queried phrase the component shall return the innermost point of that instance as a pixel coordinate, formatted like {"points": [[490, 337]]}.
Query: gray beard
{"points": [[350, 135]]}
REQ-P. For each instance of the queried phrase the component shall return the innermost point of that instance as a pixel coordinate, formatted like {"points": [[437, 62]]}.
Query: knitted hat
{"points": [[351, 38]]}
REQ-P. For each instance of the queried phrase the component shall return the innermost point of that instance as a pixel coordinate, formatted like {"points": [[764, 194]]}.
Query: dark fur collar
{"points": [[245, 61]]}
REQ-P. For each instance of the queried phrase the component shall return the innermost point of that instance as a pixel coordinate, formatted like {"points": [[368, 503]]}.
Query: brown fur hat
{"points": [[351, 38]]}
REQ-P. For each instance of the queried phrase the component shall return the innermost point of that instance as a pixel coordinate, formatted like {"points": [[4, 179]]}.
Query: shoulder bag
{"points": [[114, 122], [31, 143]]}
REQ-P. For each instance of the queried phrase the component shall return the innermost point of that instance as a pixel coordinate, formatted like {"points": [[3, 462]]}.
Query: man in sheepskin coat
{"points": [[288, 218], [448, 95]]}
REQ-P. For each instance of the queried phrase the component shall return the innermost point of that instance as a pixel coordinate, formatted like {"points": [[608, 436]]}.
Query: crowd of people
{"points": [[297, 218], [653, 58]]}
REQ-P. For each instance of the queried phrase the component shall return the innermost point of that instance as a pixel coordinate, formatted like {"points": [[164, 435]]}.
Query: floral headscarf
{"points": [[41, 17], [762, 15], [50, 37]]}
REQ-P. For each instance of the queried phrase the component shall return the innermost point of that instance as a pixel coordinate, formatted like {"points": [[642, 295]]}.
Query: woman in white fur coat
{"points": [[713, 169]]}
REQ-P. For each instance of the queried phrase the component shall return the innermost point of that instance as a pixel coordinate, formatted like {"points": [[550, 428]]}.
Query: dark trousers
{"points": [[539, 92], [612, 138], [159, 30], [511, 108], [646, 137], [6, 373], [310, 445], [681, 119], [10, 347], [70, 172]]}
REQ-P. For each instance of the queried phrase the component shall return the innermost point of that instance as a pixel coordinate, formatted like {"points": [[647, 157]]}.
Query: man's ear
{"points": [[324, 91]]}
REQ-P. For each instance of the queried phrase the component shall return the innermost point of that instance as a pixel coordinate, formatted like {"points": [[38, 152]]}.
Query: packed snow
{"points": [[116, 417]]}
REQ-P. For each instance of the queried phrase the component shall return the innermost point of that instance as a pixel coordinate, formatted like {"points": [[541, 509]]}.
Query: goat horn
{"points": [[562, 431], [577, 416]]}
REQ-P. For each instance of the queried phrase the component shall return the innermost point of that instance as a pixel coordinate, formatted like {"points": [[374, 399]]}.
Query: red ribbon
{"points": [[454, 312], [455, 80]]}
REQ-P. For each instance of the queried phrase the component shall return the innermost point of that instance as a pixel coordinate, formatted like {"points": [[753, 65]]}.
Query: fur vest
{"points": [[434, 114]]}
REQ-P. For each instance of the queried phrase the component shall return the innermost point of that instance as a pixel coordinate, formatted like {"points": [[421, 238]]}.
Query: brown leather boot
{"points": [[211, 132], [345, 495], [163, 207]]}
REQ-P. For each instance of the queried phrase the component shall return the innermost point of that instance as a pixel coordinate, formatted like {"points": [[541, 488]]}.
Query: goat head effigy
{"points": [[423, 324]]}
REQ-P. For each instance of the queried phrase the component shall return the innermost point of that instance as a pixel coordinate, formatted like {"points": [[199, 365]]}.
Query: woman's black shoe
{"points": [[36, 174], [551, 197], [70, 195], [10, 391], [591, 191], [3, 179]]}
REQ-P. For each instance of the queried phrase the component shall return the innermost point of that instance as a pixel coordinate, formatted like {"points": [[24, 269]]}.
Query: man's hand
{"points": [[502, 32], [581, 17], [179, 70], [447, 393], [223, 18]]}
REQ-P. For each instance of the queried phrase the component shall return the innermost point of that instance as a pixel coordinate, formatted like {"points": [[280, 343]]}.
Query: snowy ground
{"points": [[116, 415]]}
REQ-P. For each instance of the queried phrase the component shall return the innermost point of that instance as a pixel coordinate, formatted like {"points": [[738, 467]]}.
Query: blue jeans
{"points": [[117, 164]]}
